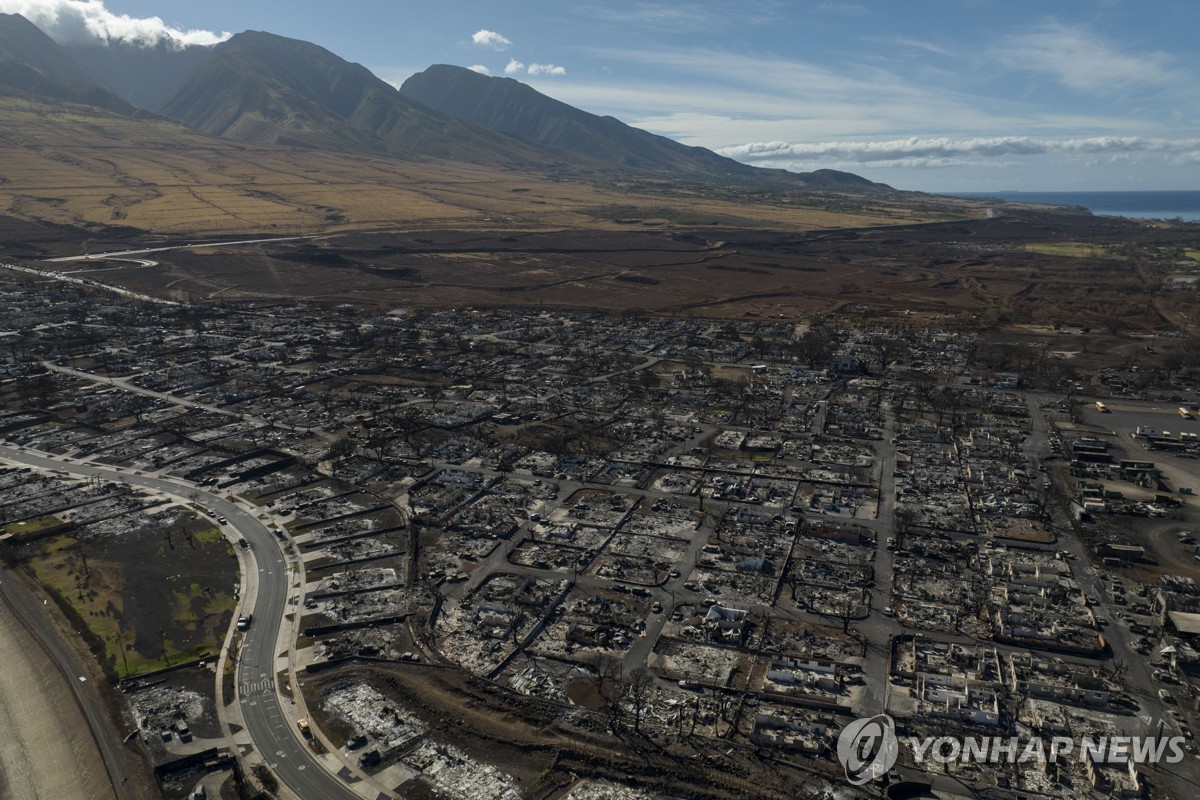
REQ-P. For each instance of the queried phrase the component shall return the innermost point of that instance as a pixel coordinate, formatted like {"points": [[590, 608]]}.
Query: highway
{"points": [[131, 256], [270, 727], [144, 250], [71, 278]]}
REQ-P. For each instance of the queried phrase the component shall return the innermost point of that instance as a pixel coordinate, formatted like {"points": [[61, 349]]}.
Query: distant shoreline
{"points": [[1169, 204]]}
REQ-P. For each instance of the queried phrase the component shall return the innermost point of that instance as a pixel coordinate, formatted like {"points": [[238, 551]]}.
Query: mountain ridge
{"points": [[265, 88], [32, 65], [515, 108], [22, 42], [509, 106], [269, 89], [145, 75]]}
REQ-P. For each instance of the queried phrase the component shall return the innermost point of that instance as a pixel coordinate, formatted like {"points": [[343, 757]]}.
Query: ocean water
{"points": [[1183, 204]]}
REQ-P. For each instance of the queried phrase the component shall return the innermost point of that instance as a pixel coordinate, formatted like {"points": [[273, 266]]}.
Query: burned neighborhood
{"points": [[709, 543]]}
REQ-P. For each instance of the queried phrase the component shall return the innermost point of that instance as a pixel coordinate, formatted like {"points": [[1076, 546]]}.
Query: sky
{"points": [[930, 95]]}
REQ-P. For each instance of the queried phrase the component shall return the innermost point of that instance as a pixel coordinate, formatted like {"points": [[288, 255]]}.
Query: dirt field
{"points": [[974, 273]]}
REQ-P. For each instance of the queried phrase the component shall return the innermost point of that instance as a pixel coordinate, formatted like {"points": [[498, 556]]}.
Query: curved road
{"points": [[268, 724]]}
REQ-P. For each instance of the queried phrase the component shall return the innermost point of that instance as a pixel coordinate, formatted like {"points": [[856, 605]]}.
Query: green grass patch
{"points": [[95, 594], [32, 526], [1070, 249], [60, 570], [220, 604], [188, 593], [208, 535], [58, 543]]}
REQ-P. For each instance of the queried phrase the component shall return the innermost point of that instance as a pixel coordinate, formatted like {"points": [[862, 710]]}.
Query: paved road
{"points": [[1137, 677], [127, 385], [877, 629], [68, 278], [118, 253], [143, 263], [124, 255], [274, 734], [123, 383]]}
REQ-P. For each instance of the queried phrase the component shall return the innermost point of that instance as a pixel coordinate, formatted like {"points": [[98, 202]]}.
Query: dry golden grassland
{"points": [[76, 166]]}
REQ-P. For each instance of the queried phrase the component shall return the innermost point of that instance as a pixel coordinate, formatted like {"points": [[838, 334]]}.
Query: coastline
{"points": [[1181, 204]]}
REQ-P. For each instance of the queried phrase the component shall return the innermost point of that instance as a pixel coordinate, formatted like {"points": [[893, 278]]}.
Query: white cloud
{"points": [[490, 39], [777, 86], [716, 98], [944, 151], [515, 68], [918, 44], [547, 69], [88, 20], [480, 68], [1078, 59]]}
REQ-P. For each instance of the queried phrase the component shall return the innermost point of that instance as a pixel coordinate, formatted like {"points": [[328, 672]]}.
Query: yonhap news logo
{"points": [[867, 748]]}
